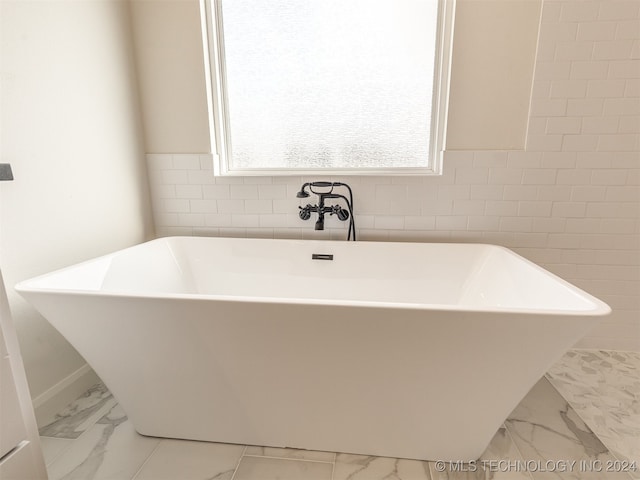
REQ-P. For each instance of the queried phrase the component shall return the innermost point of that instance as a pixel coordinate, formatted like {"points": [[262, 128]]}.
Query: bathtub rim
{"points": [[600, 308]]}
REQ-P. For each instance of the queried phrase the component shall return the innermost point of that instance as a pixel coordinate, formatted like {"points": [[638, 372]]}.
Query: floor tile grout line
{"points": [[235, 470], [288, 458], [548, 379], [106, 412], [69, 441], [146, 460], [84, 433], [632, 352], [94, 422], [430, 472], [75, 442], [617, 458], [333, 464], [585, 422], [609, 451], [599, 353], [515, 445]]}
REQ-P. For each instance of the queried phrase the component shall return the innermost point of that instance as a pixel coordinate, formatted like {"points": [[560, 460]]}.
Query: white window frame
{"points": [[216, 99]]}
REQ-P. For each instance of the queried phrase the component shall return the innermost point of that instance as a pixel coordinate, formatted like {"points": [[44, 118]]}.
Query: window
{"points": [[331, 86]]}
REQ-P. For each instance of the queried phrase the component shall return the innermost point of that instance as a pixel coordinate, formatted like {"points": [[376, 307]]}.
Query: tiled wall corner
{"points": [[571, 202]]}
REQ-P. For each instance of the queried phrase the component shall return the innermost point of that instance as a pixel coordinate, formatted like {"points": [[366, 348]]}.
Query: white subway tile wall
{"points": [[570, 202]]}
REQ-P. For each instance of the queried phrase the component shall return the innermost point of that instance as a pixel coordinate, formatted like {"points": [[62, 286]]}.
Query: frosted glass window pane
{"points": [[329, 83]]}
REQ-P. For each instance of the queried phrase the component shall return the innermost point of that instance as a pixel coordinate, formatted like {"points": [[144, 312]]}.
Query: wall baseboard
{"points": [[56, 398]]}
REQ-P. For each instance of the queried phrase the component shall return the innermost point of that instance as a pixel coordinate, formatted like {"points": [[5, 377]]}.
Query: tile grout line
{"points": [[146, 460], [73, 442], [576, 411], [95, 414], [235, 470], [69, 442], [333, 465], [515, 445], [584, 421], [288, 458]]}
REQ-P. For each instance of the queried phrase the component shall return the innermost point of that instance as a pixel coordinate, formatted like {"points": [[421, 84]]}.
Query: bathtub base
{"points": [[424, 385]]}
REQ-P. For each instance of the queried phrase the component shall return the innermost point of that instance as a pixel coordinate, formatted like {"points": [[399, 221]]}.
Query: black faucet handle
{"points": [[305, 212], [341, 213]]}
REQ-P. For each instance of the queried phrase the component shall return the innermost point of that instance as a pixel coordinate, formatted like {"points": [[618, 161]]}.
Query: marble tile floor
{"points": [[603, 388], [577, 422]]}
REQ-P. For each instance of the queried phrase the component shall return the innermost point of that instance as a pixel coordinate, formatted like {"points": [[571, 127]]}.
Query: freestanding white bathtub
{"points": [[393, 349]]}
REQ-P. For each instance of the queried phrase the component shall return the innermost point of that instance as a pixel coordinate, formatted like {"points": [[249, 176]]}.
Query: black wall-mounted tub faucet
{"points": [[321, 208]]}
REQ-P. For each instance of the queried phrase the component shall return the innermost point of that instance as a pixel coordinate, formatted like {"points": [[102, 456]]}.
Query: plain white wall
{"points": [[169, 60], [71, 130], [492, 68]]}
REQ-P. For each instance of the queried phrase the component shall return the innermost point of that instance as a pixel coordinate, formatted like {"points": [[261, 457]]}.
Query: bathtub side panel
{"points": [[400, 383]]}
